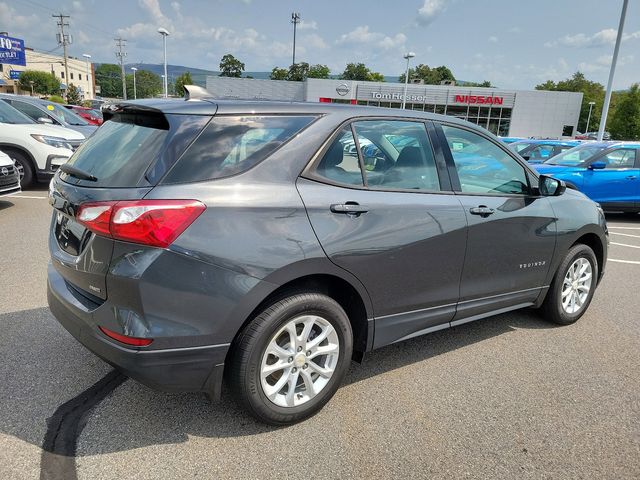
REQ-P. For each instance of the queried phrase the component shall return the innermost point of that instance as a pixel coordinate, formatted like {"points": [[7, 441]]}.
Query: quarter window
{"points": [[482, 166], [340, 163]]}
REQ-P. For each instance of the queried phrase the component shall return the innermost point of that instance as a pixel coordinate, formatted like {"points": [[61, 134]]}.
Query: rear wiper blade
{"points": [[76, 172]]}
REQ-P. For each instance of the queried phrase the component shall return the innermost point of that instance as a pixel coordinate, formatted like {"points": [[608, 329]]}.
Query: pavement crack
{"points": [[58, 459]]}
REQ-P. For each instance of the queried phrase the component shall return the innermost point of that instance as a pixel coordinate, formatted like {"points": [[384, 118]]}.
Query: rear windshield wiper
{"points": [[76, 172]]}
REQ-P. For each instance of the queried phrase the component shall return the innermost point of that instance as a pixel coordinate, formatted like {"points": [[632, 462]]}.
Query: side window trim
{"points": [[356, 142], [440, 158], [453, 172]]}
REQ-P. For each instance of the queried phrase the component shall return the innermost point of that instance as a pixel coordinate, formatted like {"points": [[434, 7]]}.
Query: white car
{"points": [[9, 178], [37, 150]]}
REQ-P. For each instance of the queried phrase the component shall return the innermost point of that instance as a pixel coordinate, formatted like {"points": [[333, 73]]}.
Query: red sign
{"points": [[480, 99]]}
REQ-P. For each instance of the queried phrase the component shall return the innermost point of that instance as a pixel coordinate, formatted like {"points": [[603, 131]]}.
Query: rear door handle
{"points": [[631, 177], [350, 208], [482, 210]]}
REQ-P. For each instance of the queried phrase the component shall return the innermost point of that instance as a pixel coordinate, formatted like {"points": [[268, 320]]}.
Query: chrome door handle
{"points": [[350, 208], [482, 210]]}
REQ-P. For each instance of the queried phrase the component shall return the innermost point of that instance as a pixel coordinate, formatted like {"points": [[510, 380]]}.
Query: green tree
{"points": [[430, 76], [181, 81], [279, 73], [43, 83], [318, 71], [73, 95], [591, 92], [109, 78], [359, 71], [56, 99], [298, 72], [148, 84], [230, 66], [624, 122]]}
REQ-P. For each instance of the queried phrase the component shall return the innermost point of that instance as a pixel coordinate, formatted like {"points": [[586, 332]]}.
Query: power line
{"points": [[120, 53]]}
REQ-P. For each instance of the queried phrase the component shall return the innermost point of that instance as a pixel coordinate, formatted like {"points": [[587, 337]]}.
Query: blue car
{"points": [[510, 139], [539, 151], [607, 172]]}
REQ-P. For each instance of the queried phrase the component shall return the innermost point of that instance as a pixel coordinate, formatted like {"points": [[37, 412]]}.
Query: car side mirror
{"points": [[551, 187], [597, 166], [527, 157], [45, 120]]}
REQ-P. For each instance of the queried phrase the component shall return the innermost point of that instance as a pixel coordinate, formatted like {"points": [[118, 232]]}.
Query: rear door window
{"points": [[340, 163], [232, 144]]}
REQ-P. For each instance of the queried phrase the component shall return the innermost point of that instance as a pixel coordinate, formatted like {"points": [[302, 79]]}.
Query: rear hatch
{"points": [[123, 160]]}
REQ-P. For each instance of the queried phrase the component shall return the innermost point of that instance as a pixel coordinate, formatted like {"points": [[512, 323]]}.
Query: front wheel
{"points": [[290, 360], [572, 287], [24, 167]]}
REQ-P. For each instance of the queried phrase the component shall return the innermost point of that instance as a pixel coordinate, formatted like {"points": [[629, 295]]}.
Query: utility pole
{"points": [[121, 43], [64, 40], [295, 19]]}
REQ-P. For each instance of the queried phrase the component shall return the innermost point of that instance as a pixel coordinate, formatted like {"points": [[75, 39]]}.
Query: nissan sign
{"points": [[12, 51], [479, 99]]}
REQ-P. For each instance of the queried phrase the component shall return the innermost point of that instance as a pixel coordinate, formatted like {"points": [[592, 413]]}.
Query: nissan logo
{"points": [[4, 171], [342, 89]]}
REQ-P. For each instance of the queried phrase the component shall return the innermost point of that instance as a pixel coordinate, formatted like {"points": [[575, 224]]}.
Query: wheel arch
{"points": [[593, 241], [7, 147]]}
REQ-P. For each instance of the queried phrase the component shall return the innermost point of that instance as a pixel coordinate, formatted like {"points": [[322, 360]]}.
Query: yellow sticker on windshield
{"points": [[49, 107]]}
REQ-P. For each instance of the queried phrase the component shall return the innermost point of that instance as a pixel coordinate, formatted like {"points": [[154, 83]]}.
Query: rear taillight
{"points": [[151, 222], [126, 339]]}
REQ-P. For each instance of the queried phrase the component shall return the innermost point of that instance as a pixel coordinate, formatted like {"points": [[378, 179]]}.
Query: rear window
{"points": [[121, 150], [232, 144]]}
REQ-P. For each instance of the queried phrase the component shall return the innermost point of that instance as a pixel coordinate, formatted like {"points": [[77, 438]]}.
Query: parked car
{"points": [[43, 111], [9, 178], [510, 139], [539, 151], [592, 136], [607, 172], [37, 150], [91, 115], [239, 240]]}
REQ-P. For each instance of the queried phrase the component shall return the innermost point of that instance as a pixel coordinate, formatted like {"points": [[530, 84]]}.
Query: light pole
{"points": [[614, 60], [165, 33], [87, 57], [591, 104], [295, 19], [407, 56], [135, 93]]}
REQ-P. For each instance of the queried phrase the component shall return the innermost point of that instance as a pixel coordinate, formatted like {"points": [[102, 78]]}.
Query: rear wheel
{"points": [[573, 286], [290, 360], [24, 167]]}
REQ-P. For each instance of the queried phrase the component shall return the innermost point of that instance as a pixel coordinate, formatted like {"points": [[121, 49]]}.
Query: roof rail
{"points": [[192, 92]]}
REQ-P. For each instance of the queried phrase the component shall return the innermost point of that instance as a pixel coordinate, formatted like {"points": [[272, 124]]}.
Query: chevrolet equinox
{"points": [[266, 245]]}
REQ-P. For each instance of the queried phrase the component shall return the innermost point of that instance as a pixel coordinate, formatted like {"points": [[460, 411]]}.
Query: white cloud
{"points": [[304, 25], [363, 36], [430, 10], [515, 30], [598, 39], [313, 40], [8, 16], [603, 62], [493, 39]]}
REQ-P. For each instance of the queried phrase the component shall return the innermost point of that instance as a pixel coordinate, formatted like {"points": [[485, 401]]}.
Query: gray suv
{"points": [[202, 240]]}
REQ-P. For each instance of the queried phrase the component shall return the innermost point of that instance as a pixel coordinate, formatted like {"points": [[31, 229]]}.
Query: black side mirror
{"points": [[526, 156], [551, 187]]}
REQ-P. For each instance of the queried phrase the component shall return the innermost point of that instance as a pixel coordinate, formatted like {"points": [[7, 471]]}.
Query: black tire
{"points": [[552, 308], [244, 374], [24, 166]]}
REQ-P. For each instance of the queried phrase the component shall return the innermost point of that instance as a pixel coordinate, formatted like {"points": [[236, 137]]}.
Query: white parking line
{"points": [[625, 245], [26, 196], [624, 228], [625, 234], [623, 261]]}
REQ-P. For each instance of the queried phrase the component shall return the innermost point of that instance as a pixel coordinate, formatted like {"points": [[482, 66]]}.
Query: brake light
{"points": [[155, 223], [126, 339]]}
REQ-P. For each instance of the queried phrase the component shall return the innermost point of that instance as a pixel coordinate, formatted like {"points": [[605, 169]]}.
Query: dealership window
{"points": [[79, 76], [71, 75], [61, 74], [567, 130]]}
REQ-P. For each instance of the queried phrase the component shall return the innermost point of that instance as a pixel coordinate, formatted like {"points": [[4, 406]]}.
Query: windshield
{"points": [[8, 114], [576, 156], [65, 115], [519, 146]]}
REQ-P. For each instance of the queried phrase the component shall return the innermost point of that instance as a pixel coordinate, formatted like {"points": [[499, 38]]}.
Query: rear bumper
{"points": [[177, 369]]}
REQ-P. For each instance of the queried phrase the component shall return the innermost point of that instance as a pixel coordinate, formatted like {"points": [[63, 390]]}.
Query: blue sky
{"points": [[512, 43]]}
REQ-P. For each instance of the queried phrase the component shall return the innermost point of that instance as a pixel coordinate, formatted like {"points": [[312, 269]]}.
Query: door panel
{"points": [[618, 183], [407, 250]]}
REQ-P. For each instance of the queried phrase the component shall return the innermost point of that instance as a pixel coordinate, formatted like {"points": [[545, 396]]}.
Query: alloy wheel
{"points": [[576, 285]]}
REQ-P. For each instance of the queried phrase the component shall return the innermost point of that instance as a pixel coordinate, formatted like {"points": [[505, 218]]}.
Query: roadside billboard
{"points": [[12, 51]]}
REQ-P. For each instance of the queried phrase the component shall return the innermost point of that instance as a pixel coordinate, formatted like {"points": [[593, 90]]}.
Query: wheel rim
{"points": [[299, 360], [20, 169], [577, 285]]}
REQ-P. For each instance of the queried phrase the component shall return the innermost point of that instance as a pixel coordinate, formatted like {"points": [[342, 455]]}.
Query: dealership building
{"points": [[515, 113]]}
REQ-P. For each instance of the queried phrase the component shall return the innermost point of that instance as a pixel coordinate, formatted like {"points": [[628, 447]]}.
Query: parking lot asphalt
{"points": [[506, 397]]}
